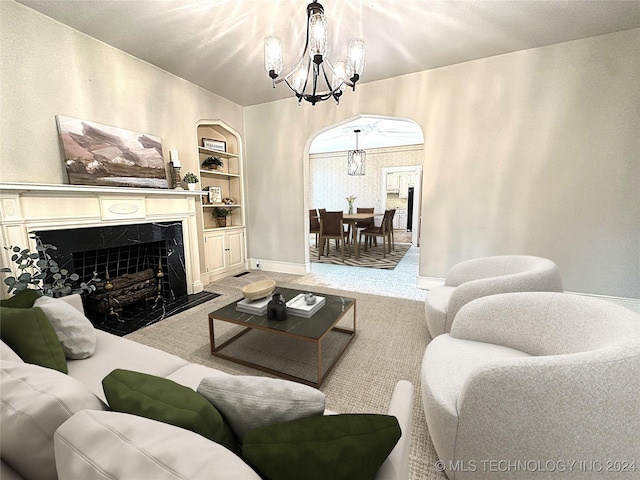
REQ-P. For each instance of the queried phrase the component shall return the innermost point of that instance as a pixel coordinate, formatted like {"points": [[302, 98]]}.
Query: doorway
{"points": [[401, 189]]}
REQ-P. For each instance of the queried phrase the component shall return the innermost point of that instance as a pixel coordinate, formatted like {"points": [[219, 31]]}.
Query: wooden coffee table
{"points": [[313, 330]]}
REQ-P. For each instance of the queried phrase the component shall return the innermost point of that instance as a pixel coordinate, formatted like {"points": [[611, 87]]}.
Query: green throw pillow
{"points": [[30, 334], [21, 299], [333, 446], [167, 401]]}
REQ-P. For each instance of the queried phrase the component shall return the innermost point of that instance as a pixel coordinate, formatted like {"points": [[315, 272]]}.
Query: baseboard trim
{"points": [[280, 267], [632, 302], [426, 283]]}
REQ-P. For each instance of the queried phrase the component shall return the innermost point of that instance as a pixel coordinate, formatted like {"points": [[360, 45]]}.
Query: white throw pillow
{"points": [[35, 401], [74, 330], [108, 445], [251, 402]]}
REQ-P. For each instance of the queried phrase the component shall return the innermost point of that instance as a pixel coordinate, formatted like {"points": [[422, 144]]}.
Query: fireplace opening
{"points": [[120, 253], [128, 274]]}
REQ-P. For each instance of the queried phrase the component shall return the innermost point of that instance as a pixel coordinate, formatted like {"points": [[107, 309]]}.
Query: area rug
{"points": [[389, 345], [372, 258]]}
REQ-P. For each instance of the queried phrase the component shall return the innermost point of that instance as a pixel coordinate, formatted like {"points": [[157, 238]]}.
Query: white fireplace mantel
{"points": [[30, 207]]}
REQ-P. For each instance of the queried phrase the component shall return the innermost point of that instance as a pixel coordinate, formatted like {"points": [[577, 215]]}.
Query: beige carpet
{"points": [[389, 344]]}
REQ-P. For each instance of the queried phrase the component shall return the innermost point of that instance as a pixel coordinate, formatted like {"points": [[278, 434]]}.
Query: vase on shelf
{"points": [[191, 186]]}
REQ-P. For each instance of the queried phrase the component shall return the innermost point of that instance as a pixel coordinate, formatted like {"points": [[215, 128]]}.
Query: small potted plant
{"points": [[221, 215], [191, 179], [212, 163]]}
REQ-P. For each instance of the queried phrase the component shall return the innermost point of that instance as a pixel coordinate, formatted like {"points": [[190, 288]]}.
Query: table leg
{"points": [[356, 246]]}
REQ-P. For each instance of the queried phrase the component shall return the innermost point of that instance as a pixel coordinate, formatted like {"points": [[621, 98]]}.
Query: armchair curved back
{"points": [[534, 269], [547, 323]]}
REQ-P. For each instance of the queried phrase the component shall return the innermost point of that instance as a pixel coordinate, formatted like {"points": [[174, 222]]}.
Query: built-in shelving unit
{"points": [[224, 246]]}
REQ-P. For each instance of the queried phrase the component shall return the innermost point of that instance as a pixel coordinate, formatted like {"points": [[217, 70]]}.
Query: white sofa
{"points": [[134, 447], [536, 377], [480, 277]]}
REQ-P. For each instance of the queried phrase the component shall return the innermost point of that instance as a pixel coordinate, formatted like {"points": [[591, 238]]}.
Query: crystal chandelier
{"points": [[313, 68], [357, 158]]}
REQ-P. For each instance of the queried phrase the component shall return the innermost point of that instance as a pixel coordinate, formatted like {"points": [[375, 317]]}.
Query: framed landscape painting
{"points": [[96, 154]]}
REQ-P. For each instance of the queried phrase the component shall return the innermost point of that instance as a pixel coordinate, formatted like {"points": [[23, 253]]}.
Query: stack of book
{"points": [[298, 306], [255, 307]]}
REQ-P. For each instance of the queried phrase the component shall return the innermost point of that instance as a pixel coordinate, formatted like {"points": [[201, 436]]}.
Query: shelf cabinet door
{"points": [[224, 250], [235, 248], [215, 257]]}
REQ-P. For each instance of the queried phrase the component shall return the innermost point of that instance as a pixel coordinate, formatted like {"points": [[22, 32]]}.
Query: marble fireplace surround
{"points": [[27, 208]]}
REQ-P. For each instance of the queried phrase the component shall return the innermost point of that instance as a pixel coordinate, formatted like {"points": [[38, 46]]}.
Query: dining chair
{"points": [[364, 223], [384, 231], [331, 226], [393, 239], [314, 223]]}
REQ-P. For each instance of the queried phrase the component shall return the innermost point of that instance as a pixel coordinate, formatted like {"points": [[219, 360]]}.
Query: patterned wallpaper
{"points": [[329, 183]]}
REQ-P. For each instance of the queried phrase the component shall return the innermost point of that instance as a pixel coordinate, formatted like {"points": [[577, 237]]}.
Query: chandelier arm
{"points": [[344, 81], [316, 69], [326, 80]]}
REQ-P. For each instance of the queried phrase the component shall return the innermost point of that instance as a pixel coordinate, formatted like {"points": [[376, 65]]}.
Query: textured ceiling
{"points": [[218, 44]]}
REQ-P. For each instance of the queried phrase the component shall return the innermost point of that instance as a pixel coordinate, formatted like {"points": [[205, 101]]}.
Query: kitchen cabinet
{"points": [[404, 185], [393, 182], [224, 251], [400, 220]]}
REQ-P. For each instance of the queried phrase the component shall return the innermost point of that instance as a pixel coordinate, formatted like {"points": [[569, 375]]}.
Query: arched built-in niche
{"points": [[398, 141]]}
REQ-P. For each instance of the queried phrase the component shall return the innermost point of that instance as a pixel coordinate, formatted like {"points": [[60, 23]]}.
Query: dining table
{"points": [[351, 219]]}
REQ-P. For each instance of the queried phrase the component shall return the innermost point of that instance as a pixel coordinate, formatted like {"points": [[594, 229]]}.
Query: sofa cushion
{"points": [[7, 353], [193, 373], [166, 401], [29, 333], [74, 330], [35, 402], [334, 446], [249, 402], [108, 445], [114, 352]]}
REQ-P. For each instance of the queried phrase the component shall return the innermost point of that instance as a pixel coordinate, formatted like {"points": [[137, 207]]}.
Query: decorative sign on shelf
{"points": [[218, 145]]}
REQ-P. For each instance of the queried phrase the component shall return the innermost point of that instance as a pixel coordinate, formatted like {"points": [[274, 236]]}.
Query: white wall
{"points": [[534, 152], [47, 68]]}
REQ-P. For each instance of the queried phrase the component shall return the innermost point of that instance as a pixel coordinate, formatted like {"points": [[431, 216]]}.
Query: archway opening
{"points": [[395, 150]]}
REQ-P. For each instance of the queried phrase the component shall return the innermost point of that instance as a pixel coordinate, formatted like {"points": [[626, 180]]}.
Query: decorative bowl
{"points": [[258, 290]]}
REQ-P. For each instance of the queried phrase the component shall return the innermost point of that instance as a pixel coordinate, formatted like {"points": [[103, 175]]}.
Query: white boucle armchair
{"points": [[536, 377], [480, 277]]}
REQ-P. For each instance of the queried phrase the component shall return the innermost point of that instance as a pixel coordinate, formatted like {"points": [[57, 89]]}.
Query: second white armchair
{"points": [[480, 277]]}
